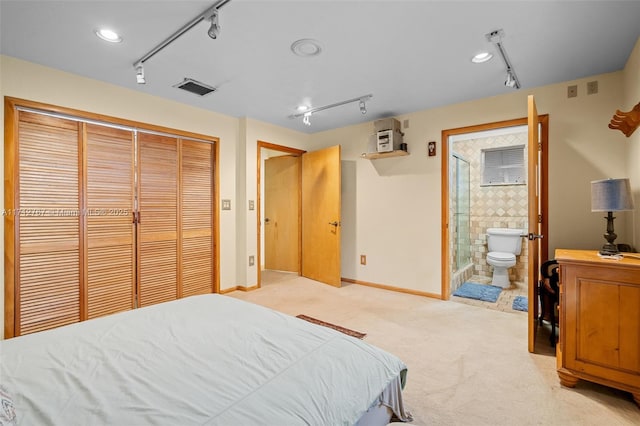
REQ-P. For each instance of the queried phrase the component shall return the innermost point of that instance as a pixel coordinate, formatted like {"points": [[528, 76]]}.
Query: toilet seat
{"points": [[499, 256]]}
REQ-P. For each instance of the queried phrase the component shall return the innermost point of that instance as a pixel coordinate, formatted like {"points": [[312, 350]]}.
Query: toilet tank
{"points": [[505, 240]]}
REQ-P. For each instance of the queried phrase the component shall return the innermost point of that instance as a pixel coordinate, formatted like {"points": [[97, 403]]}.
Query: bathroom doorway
{"points": [[474, 201]]}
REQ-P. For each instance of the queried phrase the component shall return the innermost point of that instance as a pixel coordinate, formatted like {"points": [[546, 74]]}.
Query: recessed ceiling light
{"points": [[306, 47], [108, 35], [481, 57]]}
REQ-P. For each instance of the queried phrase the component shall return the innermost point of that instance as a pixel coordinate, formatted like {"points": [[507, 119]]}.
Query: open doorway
{"points": [[537, 198], [279, 209], [317, 224], [508, 205], [488, 189]]}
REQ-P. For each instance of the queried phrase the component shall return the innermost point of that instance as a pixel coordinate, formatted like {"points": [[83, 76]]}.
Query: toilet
{"points": [[504, 245]]}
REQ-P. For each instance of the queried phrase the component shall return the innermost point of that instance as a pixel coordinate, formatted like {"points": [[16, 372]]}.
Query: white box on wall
{"points": [[388, 140]]}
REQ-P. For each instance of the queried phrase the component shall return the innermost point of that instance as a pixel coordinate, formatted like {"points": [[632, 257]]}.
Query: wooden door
{"points": [[110, 237], [158, 219], [196, 246], [282, 213], [321, 215], [46, 224], [533, 179]]}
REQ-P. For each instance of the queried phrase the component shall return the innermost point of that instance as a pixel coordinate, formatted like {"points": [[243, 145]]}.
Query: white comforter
{"points": [[205, 360]]}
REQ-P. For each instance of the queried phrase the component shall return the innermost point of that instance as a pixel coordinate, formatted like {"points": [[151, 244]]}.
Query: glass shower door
{"points": [[462, 213]]}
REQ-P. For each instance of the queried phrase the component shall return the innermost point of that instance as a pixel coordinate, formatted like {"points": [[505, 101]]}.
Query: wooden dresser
{"points": [[599, 320]]}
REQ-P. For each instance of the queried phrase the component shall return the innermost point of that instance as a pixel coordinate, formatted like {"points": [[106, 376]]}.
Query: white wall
{"points": [[391, 207]]}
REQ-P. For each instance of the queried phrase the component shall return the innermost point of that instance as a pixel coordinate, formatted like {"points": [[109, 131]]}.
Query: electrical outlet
{"points": [[363, 259], [251, 205], [592, 88], [252, 260], [572, 91]]}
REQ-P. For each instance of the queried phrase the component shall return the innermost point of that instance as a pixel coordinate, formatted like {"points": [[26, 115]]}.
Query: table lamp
{"points": [[610, 195]]}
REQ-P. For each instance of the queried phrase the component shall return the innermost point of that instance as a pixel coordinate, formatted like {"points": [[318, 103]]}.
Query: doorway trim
{"points": [[543, 120], [288, 150]]}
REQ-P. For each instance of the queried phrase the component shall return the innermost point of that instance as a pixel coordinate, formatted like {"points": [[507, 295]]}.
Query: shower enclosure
{"points": [[460, 244]]}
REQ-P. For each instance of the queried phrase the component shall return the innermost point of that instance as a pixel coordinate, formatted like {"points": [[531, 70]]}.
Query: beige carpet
{"points": [[467, 365]]}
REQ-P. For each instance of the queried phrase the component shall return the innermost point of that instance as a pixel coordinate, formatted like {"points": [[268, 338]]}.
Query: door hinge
{"points": [[539, 218]]}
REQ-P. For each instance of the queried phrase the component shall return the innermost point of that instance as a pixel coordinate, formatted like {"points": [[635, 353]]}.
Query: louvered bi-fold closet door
{"points": [[48, 237], [197, 218], [109, 219], [158, 218]]}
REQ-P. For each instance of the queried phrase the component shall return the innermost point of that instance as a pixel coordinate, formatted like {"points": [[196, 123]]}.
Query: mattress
{"points": [[206, 360]]}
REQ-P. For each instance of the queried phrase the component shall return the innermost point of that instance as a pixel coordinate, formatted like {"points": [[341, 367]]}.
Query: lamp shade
{"points": [[610, 195]]}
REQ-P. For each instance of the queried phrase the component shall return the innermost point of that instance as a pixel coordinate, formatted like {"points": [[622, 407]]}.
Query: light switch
{"points": [[226, 204]]}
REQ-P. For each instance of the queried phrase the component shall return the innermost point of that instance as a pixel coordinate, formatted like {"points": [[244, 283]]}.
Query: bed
{"points": [[205, 360]]}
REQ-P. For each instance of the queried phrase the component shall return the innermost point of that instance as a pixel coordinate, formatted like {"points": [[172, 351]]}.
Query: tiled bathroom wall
{"points": [[502, 206]]}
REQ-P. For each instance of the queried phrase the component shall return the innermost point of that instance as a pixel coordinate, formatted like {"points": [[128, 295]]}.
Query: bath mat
{"points": [[484, 292], [346, 331], [521, 303]]}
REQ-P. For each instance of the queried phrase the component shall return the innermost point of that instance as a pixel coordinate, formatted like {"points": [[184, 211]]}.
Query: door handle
{"points": [[533, 236], [334, 223]]}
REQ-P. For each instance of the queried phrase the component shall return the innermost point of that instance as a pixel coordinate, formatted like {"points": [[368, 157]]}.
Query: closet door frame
{"points": [[11, 194]]}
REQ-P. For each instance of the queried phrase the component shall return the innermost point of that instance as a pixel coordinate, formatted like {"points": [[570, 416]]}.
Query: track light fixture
{"points": [[214, 29], [363, 107], [140, 74], [307, 113], [210, 14], [511, 80], [306, 118], [495, 37]]}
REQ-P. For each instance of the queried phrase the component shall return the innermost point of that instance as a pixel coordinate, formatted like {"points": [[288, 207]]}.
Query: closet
{"points": [[102, 216]]}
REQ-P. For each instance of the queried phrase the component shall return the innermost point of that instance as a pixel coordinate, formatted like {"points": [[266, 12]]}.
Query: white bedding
{"points": [[206, 360]]}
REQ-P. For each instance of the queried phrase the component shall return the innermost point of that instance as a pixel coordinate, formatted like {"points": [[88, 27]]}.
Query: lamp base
{"points": [[610, 236], [609, 249]]}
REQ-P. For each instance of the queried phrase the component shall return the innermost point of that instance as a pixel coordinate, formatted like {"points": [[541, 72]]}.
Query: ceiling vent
{"points": [[193, 86]]}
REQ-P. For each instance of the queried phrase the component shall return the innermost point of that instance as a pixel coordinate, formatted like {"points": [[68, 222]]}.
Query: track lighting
{"points": [[510, 81], [495, 37], [307, 113], [210, 14], [214, 29], [140, 74]]}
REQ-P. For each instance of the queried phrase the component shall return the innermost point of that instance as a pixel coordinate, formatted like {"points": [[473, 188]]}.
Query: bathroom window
{"points": [[503, 166]]}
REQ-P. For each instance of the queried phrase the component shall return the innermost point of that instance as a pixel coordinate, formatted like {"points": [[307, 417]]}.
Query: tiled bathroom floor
{"points": [[505, 300]]}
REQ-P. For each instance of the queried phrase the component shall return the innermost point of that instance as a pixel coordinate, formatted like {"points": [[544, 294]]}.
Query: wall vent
{"points": [[194, 86]]}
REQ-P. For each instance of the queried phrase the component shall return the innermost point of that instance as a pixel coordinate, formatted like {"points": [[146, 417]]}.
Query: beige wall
{"points": [[391, 207], [631, 87]]}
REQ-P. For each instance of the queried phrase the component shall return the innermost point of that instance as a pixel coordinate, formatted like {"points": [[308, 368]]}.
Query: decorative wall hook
{"points": [[626, 122]]}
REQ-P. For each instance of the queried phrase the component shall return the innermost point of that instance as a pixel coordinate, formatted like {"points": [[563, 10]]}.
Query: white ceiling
{"points": [[411, 55]]}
